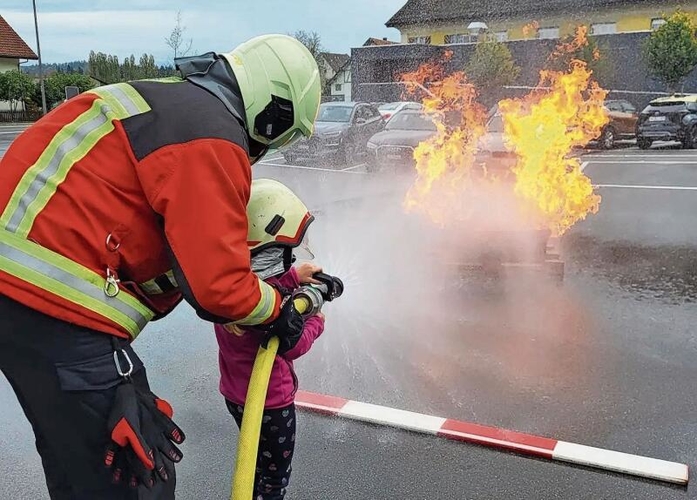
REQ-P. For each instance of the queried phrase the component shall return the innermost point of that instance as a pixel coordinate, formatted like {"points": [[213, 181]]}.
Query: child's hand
{"points": [[305, 272]]}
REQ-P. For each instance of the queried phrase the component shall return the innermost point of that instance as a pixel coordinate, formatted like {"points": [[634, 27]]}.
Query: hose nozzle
{"points": [[309, 299]]}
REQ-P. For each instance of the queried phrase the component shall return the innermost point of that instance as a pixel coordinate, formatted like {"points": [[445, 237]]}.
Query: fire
{"points": [[531, 28], [444, 163], [542, 129]]}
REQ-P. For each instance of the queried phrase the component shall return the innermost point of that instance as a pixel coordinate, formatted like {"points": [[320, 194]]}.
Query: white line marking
{"points": [[299, 167], [643, 162], [621, 462], [353, 168], [584, 165], [668, 188], [391, 416], [638, 155]]}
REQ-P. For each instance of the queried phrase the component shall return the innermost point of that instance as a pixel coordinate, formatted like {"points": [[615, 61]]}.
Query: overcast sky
{"points": [[69, 29]]}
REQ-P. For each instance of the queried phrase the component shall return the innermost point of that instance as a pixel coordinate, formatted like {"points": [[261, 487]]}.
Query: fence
{"points": [[19, 116]]}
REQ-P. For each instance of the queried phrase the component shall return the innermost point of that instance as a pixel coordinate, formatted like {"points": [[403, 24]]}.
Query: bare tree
{"points": [[311, 40], [176, 40]]}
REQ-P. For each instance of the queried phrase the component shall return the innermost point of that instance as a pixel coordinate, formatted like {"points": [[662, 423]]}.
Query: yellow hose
{"points": [[248, 444]]}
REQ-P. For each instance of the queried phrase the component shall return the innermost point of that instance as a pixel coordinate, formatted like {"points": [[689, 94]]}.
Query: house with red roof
{"points": [[13, 51]]}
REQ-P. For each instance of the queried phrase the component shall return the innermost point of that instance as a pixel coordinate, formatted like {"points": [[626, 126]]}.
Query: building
{"points": [[443, 22], [340, 85], [329, 65], [12, 51]]}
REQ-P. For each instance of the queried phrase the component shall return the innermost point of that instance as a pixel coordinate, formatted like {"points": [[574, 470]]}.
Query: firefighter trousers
{"points": [[65, 379]]}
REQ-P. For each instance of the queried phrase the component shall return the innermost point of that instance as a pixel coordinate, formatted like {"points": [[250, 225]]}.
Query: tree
{"points": [[313, 41], [671, 51], [16, 88], [176, 40], [490, 68], [56, 83], [581, 47]]}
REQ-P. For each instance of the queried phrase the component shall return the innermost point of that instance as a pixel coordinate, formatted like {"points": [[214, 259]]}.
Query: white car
{"points": [[392, 108]]}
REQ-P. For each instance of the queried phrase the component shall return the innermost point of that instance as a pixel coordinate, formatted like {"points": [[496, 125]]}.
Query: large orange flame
{"points": [[542, 129], [444, 163]]}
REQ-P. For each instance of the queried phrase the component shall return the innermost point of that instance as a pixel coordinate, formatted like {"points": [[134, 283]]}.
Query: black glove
{"points": [[288, 327], [142, 433]]}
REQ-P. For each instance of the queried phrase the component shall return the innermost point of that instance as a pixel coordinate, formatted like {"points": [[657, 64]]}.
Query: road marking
{"points": [[584, 165], [318, 169], [353, 168], [639, 155], [643, 162], [625, 186], [525, 444]]}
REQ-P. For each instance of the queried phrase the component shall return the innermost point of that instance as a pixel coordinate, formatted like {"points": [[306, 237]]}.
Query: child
{"points": [[278, 223]]}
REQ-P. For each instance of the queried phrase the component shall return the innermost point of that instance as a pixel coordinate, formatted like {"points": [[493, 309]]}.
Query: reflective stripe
{"points": [[72, 143], [264, 308], [71, 281], [151, 287]]}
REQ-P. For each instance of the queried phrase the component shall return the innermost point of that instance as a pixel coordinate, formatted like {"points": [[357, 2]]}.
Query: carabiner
{"points": [[112, 244], [118, 364], [111, 286]]}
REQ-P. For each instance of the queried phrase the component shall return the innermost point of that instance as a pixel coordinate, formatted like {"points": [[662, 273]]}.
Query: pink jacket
{"points": [[237, 355]]}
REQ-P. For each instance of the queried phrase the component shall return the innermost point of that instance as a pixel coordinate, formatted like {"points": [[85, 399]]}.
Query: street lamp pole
{"points": [[41, 72]]}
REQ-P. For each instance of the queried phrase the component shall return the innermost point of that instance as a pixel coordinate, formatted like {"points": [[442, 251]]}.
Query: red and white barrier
{"points": [[526, 444]]}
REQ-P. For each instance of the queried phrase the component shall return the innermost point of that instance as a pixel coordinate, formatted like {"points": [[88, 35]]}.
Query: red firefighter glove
{"points": [[141, 430]]}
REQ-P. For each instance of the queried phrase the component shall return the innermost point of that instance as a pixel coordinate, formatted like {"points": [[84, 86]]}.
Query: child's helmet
{"points": [[277, 217]]}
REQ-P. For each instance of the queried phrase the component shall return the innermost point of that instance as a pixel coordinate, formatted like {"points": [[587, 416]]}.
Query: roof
{"points": [[12, 45], [378, 41], [336, 61], [425, 11]]}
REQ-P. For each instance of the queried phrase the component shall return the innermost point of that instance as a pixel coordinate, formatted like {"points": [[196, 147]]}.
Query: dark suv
{"points": [[342, 130], [671, 118]]}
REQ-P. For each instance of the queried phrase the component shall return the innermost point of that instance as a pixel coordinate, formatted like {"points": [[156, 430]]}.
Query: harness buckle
{"points": [[111, 286]]}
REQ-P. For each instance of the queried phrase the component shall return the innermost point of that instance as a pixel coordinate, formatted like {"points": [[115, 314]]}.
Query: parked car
{"points": [[394, 146], [342, 130], [671, 118], [623, 122], [388, 110]]}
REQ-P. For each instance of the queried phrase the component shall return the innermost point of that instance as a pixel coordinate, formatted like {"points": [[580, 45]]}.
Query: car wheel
{"points": [[690, 140], [643, 143], [607, 140]]}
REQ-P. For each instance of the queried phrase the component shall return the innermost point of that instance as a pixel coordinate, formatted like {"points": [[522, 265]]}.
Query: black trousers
{"points": [[64, 378], [276, 447]]}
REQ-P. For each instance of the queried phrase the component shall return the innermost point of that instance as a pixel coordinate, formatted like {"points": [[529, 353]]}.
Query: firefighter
{"points": [[114, 207]]}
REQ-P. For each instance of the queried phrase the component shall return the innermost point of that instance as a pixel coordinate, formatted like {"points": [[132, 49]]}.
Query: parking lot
{"points": [[606, 360]]}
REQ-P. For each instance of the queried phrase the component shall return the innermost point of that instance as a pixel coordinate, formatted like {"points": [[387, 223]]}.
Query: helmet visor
{"points": [[276, 119]]}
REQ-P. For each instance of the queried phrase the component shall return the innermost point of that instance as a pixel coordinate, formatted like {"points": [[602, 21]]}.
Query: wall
{"points": [[7, 65], [628, 19], [375, 69]]}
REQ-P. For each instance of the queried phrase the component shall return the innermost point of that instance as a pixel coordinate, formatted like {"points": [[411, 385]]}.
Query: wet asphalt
{"points": [[607, 359]]}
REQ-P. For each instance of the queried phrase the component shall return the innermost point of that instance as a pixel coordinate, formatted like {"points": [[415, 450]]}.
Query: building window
{"points": [[423, 40], [603, 28], [657, 23], [458, 38], [337, 87], [502, 36], [548, 33]]}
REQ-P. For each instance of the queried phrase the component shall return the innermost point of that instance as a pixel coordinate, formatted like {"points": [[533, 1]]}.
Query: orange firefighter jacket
{"points": [[124, 200]]}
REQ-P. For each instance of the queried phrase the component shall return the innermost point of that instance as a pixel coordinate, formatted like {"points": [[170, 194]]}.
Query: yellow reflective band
{"points": [[151, 287], [264, 308], [71, 281], [71, 144]]}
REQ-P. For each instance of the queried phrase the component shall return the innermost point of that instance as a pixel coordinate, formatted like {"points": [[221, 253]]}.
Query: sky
{"points": [[69, 29]]}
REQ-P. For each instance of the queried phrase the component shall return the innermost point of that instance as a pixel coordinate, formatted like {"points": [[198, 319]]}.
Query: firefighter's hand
{"points": [[142, 436], [288, 327], [306, 271]]}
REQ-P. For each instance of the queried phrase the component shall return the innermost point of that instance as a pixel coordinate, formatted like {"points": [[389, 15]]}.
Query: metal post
{"points": [[41, 72]]}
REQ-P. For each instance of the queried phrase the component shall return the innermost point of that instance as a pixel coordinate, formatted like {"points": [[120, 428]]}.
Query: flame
{"points": [[542, 129], [531, 28], [445, 162]]}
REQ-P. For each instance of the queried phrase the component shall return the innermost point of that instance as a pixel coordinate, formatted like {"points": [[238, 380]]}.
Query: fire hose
{"points": [[308, 301]]}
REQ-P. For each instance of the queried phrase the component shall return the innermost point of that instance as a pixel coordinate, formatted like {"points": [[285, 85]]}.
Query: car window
{"points": [[336, 114], [692, 106], [613, 106], [372, 112], [628, 107], [495, 124], [410, 121], [363, 112]]}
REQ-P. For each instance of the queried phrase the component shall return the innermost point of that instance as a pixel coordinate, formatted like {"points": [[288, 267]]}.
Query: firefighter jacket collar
{"points": [[210, 72]]}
